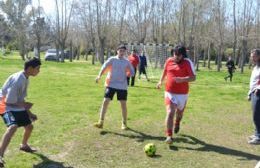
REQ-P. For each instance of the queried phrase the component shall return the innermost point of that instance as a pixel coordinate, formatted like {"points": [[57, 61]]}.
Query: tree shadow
{"points": [[139, 136], [205, 147], [48, 163]]}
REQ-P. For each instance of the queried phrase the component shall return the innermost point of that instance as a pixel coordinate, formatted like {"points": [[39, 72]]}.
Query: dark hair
{"points": [[34, 62], [256, 52], [121, 46], [179, 49]]}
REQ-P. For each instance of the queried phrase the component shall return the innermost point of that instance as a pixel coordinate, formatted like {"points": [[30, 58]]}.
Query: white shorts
{"points": [[178, 99]]}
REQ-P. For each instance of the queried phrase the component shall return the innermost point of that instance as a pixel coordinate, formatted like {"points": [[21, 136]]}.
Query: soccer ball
{"points": [[150, 149]]}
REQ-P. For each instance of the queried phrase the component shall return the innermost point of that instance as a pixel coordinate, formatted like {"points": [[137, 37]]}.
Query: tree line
{"points": [[211, 29]]}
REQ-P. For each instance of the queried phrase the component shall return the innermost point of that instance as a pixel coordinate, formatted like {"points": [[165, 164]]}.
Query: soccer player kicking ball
{"points": [[119, 68], [14, 109], [179, 71]]}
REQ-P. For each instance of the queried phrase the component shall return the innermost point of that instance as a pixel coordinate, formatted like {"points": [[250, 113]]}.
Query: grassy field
{"points": [[66, 99]]}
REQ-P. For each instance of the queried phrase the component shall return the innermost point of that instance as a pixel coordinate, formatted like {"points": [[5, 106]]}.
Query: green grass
{"points": [[66, 99]]}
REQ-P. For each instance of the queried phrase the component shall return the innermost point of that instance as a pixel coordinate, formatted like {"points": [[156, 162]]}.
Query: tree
{"points": [[15, 11], [63, 17]]}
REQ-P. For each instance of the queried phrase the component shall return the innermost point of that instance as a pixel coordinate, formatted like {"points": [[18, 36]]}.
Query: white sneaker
{"points": [[124, 126], [252, 137], [169, 140], [257, 165], [254, 141]]}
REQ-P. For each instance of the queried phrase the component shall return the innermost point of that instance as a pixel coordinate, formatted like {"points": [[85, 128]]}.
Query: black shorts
{"points": [[121, 94], [142, 70], [19, 118]]}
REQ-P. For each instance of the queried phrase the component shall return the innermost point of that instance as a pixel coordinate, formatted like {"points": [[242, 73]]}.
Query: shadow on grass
{"points": [[47, 163], [211, 148], [146, 87], [139, 136]]}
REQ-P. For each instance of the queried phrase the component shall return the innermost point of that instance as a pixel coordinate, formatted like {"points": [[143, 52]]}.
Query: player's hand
{"points": [[97, 79], [27, 105], [33, 117], [178, 79], [249, 98], [256, 92], [159, 85]]}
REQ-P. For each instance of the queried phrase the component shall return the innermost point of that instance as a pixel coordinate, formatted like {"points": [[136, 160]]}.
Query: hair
{"points": [[34, 62], [180, 49], [121, 46], [256, 52]]}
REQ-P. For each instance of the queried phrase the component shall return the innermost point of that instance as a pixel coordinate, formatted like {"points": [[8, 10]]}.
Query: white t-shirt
{"points": [[254, 80], [15, 90]]}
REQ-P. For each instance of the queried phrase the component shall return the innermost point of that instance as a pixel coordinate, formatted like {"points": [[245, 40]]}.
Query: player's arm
{"points": [[32, 116], [185, 79], [103, 69], [159, 84], [131, 68]]}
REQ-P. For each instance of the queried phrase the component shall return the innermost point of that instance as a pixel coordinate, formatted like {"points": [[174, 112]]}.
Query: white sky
{"points": [[48, 5]]}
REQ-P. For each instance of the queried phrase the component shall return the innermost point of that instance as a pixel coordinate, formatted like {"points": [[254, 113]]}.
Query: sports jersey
{"points": [[118, 70], [183, 69], [254, 80], [13, 91], [134, 60]]}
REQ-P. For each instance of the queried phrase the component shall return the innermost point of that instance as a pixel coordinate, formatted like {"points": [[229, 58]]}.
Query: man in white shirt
{"points": [[118, 68], [14, 109], [254, 96]]}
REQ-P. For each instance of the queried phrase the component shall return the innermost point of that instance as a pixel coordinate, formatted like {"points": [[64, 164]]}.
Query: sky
{"points": [[48, 5]]}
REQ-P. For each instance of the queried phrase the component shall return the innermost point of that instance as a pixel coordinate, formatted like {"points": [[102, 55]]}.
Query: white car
{"points": [[50, 55]]}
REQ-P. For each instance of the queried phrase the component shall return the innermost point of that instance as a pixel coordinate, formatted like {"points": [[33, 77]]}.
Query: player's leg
{"points": [[10, 131], [109, 93], [231, 75], [179, 115], [170, 110], [140, 72], [133, 78], [182, 101], [27, 133], [256, 118], [124, 114], [122, 97], [144, 72], [10, 122]]}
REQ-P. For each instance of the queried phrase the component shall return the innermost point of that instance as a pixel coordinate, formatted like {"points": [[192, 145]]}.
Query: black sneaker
{"points": [[2, 162], [176, 129]]}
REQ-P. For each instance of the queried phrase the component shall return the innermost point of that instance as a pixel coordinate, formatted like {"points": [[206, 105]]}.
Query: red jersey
{"points": [[183, 69], [134, 60]]}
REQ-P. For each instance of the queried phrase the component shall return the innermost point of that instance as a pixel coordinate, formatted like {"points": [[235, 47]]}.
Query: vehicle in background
{"points": [[51, 55]]}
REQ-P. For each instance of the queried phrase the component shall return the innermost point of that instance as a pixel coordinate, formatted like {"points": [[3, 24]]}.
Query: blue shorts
{"points": [[19, 118]]}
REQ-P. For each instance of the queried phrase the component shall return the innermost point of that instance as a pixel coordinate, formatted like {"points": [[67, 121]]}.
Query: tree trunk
{"points": [[209, 57]]}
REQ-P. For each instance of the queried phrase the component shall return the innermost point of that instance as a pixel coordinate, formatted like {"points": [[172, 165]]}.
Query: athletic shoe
{"points": [[254, 141], [124, 126], [252, 137], [169, 140], [98, 124], [27, 148], [2, 162], [176, 129]]}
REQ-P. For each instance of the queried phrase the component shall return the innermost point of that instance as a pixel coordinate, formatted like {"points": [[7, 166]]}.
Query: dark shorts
{"points": [[110, 92], [142, 70], [19, 118]]}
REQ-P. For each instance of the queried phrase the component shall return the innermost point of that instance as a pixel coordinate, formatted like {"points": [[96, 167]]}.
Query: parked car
{"points": [[50, 55]]}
